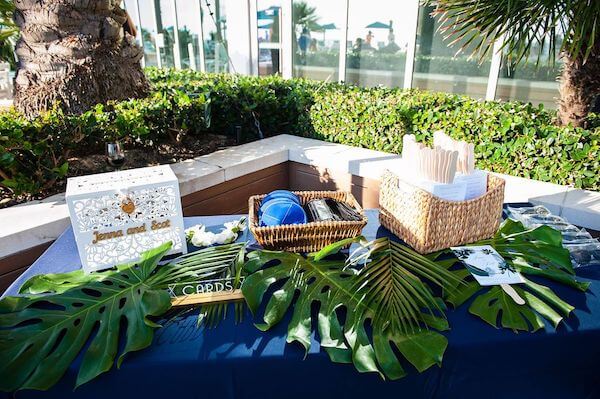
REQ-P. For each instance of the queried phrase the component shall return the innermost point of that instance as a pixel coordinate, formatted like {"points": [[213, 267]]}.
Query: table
{"points": [[239, 361]]}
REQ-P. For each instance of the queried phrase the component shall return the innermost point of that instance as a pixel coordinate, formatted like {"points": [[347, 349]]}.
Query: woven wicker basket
{"points": [[307, 237], [428, 223]]}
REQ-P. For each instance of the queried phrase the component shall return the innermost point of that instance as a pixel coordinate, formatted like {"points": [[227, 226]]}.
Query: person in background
{"points": [[391, 47], [313, 46], [358, 45], [369, 39], [303, 43], [356, 52], [391, 36]]}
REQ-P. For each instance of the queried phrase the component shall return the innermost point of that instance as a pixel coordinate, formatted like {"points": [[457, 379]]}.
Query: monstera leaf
{"points": [[535, 252], [41, 336], [540, 303], [389, 293], [43, 332]]}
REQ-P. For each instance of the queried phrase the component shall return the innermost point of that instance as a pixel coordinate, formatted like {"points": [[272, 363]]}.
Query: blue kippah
{"points": [[281, 211], [281, 194]]}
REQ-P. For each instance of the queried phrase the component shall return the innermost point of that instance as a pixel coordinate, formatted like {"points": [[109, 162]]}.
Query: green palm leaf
{"points": [[9, 32], [219, 261], [42, 333], [527, 27], [225, 261], [389, 293], [536, 252]]}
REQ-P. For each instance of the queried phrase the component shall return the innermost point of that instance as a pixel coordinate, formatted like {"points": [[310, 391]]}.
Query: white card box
{"points": [[118, 215]]}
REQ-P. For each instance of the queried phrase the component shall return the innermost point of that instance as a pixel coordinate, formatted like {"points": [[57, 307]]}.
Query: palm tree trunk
{"points": [[579, 88], [76, 54]]}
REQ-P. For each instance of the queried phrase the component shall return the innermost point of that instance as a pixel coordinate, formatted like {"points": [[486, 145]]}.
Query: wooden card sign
{"points": [[204, 292], [118, 215]]}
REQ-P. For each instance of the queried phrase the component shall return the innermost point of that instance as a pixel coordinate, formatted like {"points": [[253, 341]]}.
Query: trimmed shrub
{"points": [[34, 152], [448, 65], [511, 137]]}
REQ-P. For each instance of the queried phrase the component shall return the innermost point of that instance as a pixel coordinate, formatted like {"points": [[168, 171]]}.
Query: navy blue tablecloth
{"points": [[239, 361]]}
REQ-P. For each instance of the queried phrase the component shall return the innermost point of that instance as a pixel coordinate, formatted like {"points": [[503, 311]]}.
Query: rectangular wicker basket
{"points": [[428, 223], [307, 237]]}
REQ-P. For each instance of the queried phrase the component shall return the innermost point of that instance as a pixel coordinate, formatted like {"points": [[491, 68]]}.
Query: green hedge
{"points": [[445, 65], [34, 153], [511, 137]]}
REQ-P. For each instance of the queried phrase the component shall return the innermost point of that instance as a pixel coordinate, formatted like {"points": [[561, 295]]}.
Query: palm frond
{"points": [[389, 292], [526, 27], [211, 315], [218, 261], [225, 261], [9, 32]]}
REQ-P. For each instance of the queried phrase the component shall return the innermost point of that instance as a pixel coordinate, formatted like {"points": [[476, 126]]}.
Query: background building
{"points": [[367, 43]]}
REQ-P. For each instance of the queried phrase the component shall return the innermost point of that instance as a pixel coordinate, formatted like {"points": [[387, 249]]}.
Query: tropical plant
{"points": [[8, 32], [75, 54], [390, 293], [533, 252], [533, 28], [42, 333], [305, 15]]}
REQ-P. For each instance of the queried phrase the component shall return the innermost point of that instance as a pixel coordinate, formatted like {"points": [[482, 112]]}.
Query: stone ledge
{"points": [[28, 225], [37, 222], [550, 195], [236, 162], [195, 175]]}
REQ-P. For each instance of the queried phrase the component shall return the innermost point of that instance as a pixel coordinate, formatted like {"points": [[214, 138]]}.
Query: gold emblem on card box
{"points": [[127, 206]]}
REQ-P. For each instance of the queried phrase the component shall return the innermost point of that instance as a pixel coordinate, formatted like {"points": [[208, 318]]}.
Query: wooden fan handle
{"points": [[510, 291]]}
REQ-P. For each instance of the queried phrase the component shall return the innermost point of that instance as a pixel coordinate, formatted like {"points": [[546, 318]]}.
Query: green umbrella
{"points": [[378, 25]]}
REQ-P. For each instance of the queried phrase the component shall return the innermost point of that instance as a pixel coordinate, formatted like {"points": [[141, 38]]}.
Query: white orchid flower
{"points": [[191, 231], [199, 237], [236, 225], [226, 236], [203, 238]]}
